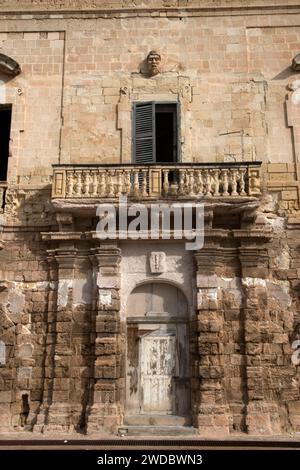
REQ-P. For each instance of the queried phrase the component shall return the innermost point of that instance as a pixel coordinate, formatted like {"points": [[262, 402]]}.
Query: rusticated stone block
{"points": [[213, 325], [253, 349], [107, 367], [60, 396], [61, 384], [211, 372], [207, 299], [105, 346], [263, 418], [5, 396], [108, 326], [106, 372]]}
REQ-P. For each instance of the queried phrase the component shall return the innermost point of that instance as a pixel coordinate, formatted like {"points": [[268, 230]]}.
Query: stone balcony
{"points": [[89, 184], [230, 191]]}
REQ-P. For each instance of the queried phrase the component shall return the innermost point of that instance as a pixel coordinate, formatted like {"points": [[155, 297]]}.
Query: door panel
{"points": [[158, 362]]}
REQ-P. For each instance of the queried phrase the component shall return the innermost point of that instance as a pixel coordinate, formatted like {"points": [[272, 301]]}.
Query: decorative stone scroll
{"points": [[296, 63], [9, 66]]}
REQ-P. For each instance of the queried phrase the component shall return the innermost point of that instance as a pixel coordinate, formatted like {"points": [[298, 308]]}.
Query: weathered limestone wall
{"points": [[86, 74], [61, 321], [243, 377], [247, 314], [36, 103], [125, 5]]}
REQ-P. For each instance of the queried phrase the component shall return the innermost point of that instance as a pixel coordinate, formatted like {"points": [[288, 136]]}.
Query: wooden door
{"points": [[158, 363]]}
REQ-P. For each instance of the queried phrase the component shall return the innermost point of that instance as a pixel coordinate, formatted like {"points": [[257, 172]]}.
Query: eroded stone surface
{"points": [[65, 296]]}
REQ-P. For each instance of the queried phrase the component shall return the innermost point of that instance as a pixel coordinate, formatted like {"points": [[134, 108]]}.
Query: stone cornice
{"points": [[141, 6]]}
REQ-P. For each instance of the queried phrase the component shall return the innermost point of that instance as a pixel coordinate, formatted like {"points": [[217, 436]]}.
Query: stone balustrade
{"points": [[183, 181]]}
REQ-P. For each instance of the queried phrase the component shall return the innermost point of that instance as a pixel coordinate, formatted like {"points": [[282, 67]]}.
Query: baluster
{"points": [[242, 173], [181, 187], [198, 183], [94, 184], [207, 179], [102, 184], [119, 182], [136, 186], [191, 183], [70, 183], [127, 183], [216, 181], [233, 178], [78, 183], [166, 181], [110, 184], [225, 182], [86, 183], [144, 183]]}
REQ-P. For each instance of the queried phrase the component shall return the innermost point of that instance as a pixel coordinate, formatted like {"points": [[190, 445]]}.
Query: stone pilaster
{"points": [[262, 415], [82, 360], [57, 409], [213, 414], [105, 410]]}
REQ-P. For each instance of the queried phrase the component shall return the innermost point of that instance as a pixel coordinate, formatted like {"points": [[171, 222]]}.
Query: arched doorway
{"points": [[157, 363]]}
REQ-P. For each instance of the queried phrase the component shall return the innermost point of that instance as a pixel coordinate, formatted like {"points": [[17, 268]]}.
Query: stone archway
{"points": [[157, 361]]}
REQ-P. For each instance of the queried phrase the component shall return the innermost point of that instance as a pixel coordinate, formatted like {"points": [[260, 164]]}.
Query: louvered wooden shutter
{"points": [[144, 133]]}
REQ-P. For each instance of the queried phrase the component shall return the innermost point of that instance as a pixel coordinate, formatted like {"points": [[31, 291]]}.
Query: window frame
{"points": [[6, 107], [177, 114]]}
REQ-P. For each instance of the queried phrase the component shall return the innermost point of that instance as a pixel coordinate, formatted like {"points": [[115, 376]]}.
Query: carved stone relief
{"points": [[157, 262]]}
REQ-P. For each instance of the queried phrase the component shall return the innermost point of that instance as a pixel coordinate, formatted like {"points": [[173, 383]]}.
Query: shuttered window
{"points": [[144, 132], [155, 133]]}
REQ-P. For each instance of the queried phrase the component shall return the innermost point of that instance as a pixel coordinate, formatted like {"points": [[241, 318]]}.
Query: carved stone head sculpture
{"points": [[153, 63], [296, 63]]}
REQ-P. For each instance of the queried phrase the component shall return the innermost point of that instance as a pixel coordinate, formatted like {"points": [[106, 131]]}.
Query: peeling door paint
{"points": [[158, 359]]}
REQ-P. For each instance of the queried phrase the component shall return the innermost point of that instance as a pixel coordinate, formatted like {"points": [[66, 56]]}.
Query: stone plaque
{"points": [[105, 297], [157, 262]]}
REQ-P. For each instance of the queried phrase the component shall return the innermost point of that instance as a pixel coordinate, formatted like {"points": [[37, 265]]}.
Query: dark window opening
{"points": [[166, 133], [5, 124], [155, 133]]}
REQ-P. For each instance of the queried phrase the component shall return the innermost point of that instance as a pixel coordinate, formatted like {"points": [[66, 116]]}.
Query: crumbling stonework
{"points": [[70, 323]]}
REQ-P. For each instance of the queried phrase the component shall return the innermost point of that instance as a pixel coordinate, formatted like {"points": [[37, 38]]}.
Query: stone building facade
{"points": [[99, 335]]}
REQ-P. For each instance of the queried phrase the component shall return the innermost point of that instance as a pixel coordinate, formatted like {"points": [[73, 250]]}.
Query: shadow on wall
{"points": [[25, 408]]}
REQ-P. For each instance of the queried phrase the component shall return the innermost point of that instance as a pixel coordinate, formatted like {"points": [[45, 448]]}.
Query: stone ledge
{"points": [[130, 5]]}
